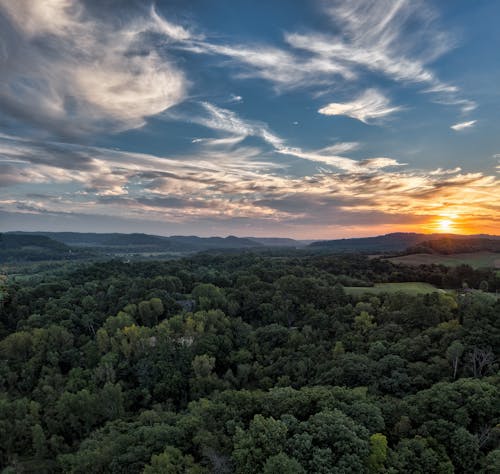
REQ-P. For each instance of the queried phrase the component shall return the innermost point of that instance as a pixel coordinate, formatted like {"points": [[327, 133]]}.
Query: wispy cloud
{"points": [[374, 36], [369, 35], [371, 105], [237, 129], [218, 185], [398, 39], [463, 125], [78, 72], [63, 69], [331, 156], [218, 118], [67, 68]]}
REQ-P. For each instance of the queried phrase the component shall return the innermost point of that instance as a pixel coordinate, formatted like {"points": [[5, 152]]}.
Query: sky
{"points": [[309, 119]]}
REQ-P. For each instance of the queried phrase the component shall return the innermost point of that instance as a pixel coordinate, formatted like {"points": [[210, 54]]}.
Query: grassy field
{"points": [[475, 259], [413, 288]]}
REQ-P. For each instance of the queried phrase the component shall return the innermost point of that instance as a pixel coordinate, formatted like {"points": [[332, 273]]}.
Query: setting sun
{"points": [[445, 225]]}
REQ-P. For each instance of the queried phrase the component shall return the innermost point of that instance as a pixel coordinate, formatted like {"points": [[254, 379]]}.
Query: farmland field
{"points": [[412, 288], [475, 259]]}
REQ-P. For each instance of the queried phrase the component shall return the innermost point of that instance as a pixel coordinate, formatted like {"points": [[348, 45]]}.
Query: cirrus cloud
{"points": [[371, 105], [217, 186], [67, 71], [463, 125]]}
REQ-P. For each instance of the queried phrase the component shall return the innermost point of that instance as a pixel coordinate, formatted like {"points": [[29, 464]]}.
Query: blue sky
{"points": [[307, 119]]}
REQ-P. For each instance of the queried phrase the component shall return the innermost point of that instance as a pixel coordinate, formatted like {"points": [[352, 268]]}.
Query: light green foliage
{"points": [[414, 288], [203, 365], [121, 320], [172, 461], [338, 349], [364, 322], [378, 453], [209, 296]]}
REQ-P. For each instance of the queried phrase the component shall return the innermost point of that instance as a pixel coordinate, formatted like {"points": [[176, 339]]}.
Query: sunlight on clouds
{"points": [[67, 70], [57, 17], [227, 121], [103, 73], [370, 105], [222, 184], [463, 125], [371, 36], [110, 73], [175, 32]]}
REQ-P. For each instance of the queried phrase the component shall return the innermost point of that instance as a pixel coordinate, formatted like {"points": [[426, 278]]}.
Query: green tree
{"points": [[172, 461], [453, 354], [418, 456], [364, 322], [378, 453], [492, 462], [39, 441], [264, 438], [209, 296], [281, 463]]}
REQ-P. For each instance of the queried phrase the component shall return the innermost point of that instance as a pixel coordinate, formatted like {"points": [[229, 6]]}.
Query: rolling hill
{"points": [[26, 247], [394, 242], [139, 243]]}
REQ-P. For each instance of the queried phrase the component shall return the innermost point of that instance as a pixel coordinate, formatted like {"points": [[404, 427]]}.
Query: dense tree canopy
{"points": [[248, 363]]}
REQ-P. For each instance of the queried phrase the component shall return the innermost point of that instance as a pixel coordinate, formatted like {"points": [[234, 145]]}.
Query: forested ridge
{"points": [[451, 246], [249, 363]]}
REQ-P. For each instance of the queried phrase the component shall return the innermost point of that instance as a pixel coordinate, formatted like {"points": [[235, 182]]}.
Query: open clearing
{"points": [[413, 288], [475, 259]]}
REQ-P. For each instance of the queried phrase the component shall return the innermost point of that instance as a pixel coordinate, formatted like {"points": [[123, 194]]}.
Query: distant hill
{"points": [[279, 242], [395, 242], [26, 247], [54, 245], [137, 243], [448, 246], [209, 243]]}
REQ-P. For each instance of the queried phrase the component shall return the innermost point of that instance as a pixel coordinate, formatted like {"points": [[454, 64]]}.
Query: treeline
{"points": [[247, 364], [449, 246], [25, 247]]}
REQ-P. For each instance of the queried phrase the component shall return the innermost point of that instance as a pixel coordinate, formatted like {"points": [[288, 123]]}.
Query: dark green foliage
{"points": [[26, 247], [450, 245], [247, 363]]}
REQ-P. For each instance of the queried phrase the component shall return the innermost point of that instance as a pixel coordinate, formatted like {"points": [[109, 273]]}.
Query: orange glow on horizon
{"points": [[445, 225], [453, 224]]}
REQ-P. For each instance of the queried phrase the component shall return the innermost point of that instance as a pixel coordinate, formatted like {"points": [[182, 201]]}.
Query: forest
{"points": [[248, 362]]}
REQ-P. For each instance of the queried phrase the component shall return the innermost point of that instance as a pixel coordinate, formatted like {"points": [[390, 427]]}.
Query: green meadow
{"points": [[413, 288], [474, 259]]}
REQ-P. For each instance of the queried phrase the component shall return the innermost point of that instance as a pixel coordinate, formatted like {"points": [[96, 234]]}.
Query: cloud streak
{"points": [[395, 39], [80, 71], [219, 186], [236, 129], [463, 125], [371, 105], [66, 71], [76, 72], [224, 120]]}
